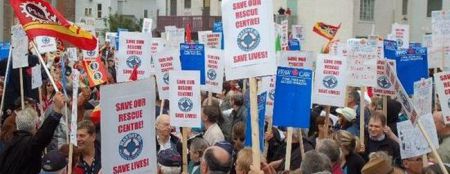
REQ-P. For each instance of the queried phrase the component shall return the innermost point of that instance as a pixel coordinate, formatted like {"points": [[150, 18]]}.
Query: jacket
{"points": [[23, 154]]}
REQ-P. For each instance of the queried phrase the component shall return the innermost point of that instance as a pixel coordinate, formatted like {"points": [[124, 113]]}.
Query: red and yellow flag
{"points": [[39, 18], [325, 30], [95, 71]]}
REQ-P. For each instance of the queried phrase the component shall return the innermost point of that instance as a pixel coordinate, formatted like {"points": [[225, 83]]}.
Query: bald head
{"points": [[441, 128], [216, 160], [162, 125]]}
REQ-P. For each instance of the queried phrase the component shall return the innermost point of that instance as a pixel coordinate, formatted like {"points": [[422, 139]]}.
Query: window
{"points": [[366, 8], [405, 7], [145, 13], [90, 12], [187, 4], [433, 5], [99, 10], [86, 12]]}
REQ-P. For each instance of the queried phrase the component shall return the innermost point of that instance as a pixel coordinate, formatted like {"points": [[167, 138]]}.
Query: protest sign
{"points": [[127, 125], [412, 141], [19, 42], [268, 85], [74, 114], [158, 44], [213, 40], [284, 34], [294, 45], [72, 53], [384, 86], [185, 110], [297, 59], [362, 62], [293, 90], [423, 94], [192, 57], [4, 50], [90, 55], [261, 120], [297, 32], [214, 70], [432, 58], [45, 44], [401, 33], [250, 49], [119, 30], [442, 81], [110, 36], [390, 49], [202, 36], [402, 96], [165, 61], [411, 66], [218, 28], [174, 36], [135, 52], [147, 25], [338, 48], [331, 83], [440, 26], [36, 77]]}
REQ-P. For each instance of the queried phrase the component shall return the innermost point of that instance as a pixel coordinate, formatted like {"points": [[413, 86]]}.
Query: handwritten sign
{"points": [[128, 127], [440, 26], [362, 62], [36, 77], [423, 94], [442, 81], [297, 32], [330, 84], [185, 99], [19, 43], [147, 25]]}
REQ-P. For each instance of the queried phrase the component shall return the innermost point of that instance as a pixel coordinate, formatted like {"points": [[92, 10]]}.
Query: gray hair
{"points": [[315, 162], [199, 145], [158, 119], [26, 119], [330, 148], [170, 170]]}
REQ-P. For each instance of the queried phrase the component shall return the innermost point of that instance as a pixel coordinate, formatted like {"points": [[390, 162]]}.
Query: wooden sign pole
{"points": [[433, 149], [254, 123], [287, 160], [184, 141], [361, 114]]}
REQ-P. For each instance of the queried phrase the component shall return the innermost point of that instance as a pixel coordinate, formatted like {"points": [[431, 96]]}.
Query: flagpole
{"points": [[22, 97], [4, 84], [45, 67]]}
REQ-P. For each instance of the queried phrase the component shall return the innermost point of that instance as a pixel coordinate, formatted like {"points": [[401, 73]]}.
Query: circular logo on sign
{"points": [[46, 40], [399, 42], [90, 53], [272, 94], [94, 65], [185, 104], [330, 82], [133, 61], [404, 100], [448, 102], [248, 39], [98, 76], [166, 78], [383, 82], [37, 12], [212, 74], [130, 146]]}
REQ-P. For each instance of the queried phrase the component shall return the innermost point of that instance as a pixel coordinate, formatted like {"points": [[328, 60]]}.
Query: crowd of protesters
{"points": [[33, 137]]}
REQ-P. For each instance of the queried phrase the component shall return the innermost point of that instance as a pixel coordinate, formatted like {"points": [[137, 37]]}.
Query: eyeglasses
{"points": [[239, 139]]}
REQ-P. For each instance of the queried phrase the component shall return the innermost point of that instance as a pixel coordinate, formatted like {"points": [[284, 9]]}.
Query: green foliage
{"points": [[123, 21]]}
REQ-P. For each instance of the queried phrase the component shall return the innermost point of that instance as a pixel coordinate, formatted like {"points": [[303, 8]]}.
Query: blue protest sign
{"points": [[412, 65], [218, 27], [390, 49], [192, 57], [4, 50], [261, 116], [294, 45], [415, 45], [292, 97], [118, 35]]}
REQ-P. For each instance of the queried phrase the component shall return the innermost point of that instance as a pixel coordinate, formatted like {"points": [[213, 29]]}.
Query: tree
{"points": [[123, 21]]}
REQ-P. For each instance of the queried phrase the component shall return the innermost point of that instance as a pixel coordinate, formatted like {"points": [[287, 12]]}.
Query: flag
{"points": [[95, 71], [278, 43], [325, 30], [134, 74], [39, 18], [188, 33]]}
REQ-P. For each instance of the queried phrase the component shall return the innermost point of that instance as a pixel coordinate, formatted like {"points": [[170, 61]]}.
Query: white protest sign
{"points": [[401, 34], [185, 99], [74, 114], [423, 94], [147, 25], [128, 127], [338, 48], [297, 32], [268, 85], [36, 76], [72, 53], [297, 59], [45, 44], [134, 51], [19, 43], [440, 26], [109, 36], [432, 57], [384, 86], [442, 81], [202, 38], [214, 69], [362, 62], [90, 55], [330, 81], [250, 39], [284, 35], [158, 44], [402, 97], [212, 40], [412, 141], [165, 61], [174, 36]]}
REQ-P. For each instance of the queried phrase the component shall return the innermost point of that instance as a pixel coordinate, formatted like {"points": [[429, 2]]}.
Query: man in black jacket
{"points": [[23, 154]]}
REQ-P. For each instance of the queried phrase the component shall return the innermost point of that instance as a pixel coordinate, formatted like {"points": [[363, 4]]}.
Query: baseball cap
{"points": [[169, 158], [348, 113], [53, 161]]}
